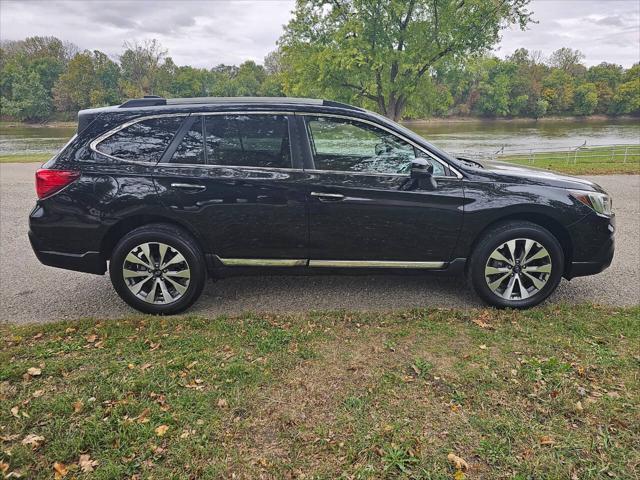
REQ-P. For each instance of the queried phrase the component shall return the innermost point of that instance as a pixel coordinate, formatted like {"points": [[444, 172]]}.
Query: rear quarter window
{"points": [[143, 141]]}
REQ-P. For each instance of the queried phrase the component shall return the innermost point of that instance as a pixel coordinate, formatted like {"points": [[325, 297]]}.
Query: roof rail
{"points": [[331, 103], [146, 101], [154, 100], [245, 100]]}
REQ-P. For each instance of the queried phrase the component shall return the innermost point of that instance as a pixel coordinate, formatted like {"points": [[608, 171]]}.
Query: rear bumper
{"points": [[89, 262]]}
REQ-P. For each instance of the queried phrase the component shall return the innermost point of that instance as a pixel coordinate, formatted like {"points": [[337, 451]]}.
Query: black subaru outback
{"points": [[170, 191]]}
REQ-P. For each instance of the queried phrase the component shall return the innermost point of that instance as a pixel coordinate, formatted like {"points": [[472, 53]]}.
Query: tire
{"points": [[493, 269], [144, 284]]}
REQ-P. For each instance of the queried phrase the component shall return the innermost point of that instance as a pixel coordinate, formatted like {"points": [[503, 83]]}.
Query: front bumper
{"points": [[594, 246], [89, 262]]}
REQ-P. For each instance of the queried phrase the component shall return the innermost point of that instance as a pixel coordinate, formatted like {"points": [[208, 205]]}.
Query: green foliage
{"points": [[586, 99], [390, 59], [378, 52]]}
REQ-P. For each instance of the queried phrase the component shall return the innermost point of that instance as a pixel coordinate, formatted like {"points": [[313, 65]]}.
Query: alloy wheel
{"points": [[518, 269], [156, 273]]}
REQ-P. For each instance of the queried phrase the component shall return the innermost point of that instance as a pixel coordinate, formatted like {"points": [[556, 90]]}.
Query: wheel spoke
{"points": [[166, 296], [128, 273], [180, 274], [147, 252], [528, 244], [496, 255], [178, 258], [536, 281], [180, 288], [133, 259], [542, 253], [494, 270], [163, 251], [523, 291], [509, 290], [494, 285], [138, 286], [539, 268], [511, 246]]}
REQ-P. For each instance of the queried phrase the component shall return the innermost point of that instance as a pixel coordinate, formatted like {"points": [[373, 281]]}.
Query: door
{"points": [[364, 207], [231, 177]]}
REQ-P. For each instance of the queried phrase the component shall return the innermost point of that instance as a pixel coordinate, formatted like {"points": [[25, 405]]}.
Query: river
{"points": [[456, 137]]}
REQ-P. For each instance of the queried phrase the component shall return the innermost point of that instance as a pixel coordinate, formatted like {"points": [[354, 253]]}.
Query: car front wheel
{"points": [[158, 269], [516, 264]]}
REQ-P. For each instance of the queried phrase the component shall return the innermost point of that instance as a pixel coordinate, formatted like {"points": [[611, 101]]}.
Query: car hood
{"points": [[535, 176]]}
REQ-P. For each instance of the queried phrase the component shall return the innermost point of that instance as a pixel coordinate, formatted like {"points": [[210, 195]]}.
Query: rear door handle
{"points": [[328, 197], [188, 186]]}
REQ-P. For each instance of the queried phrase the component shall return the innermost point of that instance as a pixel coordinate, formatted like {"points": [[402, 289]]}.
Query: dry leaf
{"points": [[61, 469], [86, 464], [131, 366], [78, 406], [14, 412], [33, 440], [612, 394], [145, 366], [34, 372], [579, 406], [142, 418], [91, 338], [38, 393], [4, 467], [70, 330], [459, 475], [547, 440], [483, 347], [457, 462], [222, 403], [161, 430]]}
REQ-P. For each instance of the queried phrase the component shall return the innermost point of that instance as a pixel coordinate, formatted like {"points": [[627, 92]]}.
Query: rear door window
{"points": [[191, 148], [143, 141], [256, 140]]}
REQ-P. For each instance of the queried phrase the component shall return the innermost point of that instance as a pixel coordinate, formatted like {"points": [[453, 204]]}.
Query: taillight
{"points": [[49, 182]]}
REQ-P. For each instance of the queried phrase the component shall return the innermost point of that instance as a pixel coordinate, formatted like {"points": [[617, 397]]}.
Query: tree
{"points": [[141, 65], [627, 98], [585, 99], [377, 52], [568, 60], [30, 100], [91, 79]]}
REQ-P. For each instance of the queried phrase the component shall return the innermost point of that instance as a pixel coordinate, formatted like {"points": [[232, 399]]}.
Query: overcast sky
{"points": [[207, 33]]}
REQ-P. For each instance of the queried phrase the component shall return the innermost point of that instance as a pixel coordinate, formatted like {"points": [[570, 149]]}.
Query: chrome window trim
{"points": [[94, 143], [382, 127]]}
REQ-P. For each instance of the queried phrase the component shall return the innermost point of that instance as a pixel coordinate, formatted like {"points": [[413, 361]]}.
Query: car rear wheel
{"points": [[158, 269], [516, 264]]}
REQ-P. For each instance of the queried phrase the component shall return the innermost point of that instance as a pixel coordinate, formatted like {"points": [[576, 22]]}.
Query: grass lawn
{"points": [[26, 158], [548, 393], [589, 161]]}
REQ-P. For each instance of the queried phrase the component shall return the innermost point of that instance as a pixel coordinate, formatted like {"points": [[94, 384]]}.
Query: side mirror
{"points": [[421, 168], [422, 174]]}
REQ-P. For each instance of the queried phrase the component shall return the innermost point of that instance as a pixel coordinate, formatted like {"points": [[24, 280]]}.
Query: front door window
{"points": [[347, 145]]}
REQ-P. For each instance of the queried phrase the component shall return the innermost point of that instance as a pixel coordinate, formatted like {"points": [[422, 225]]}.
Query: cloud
{"points": [[206, 33]]}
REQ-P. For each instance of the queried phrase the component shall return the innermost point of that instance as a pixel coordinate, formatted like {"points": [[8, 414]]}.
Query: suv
{"points": [[170, 191]]}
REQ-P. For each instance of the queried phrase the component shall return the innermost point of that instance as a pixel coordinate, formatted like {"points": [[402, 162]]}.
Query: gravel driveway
{"points": [[31, 292]]}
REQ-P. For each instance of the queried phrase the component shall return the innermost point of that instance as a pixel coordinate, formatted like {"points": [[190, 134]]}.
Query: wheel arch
{"points": [[540, 219], [118, 230]]}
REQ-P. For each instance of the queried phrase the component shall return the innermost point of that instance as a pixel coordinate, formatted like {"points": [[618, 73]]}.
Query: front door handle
{"points": [[328, 197], [188, 186]]}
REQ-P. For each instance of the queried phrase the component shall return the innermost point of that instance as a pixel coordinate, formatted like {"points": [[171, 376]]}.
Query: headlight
{"points": [[600, 202]]}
